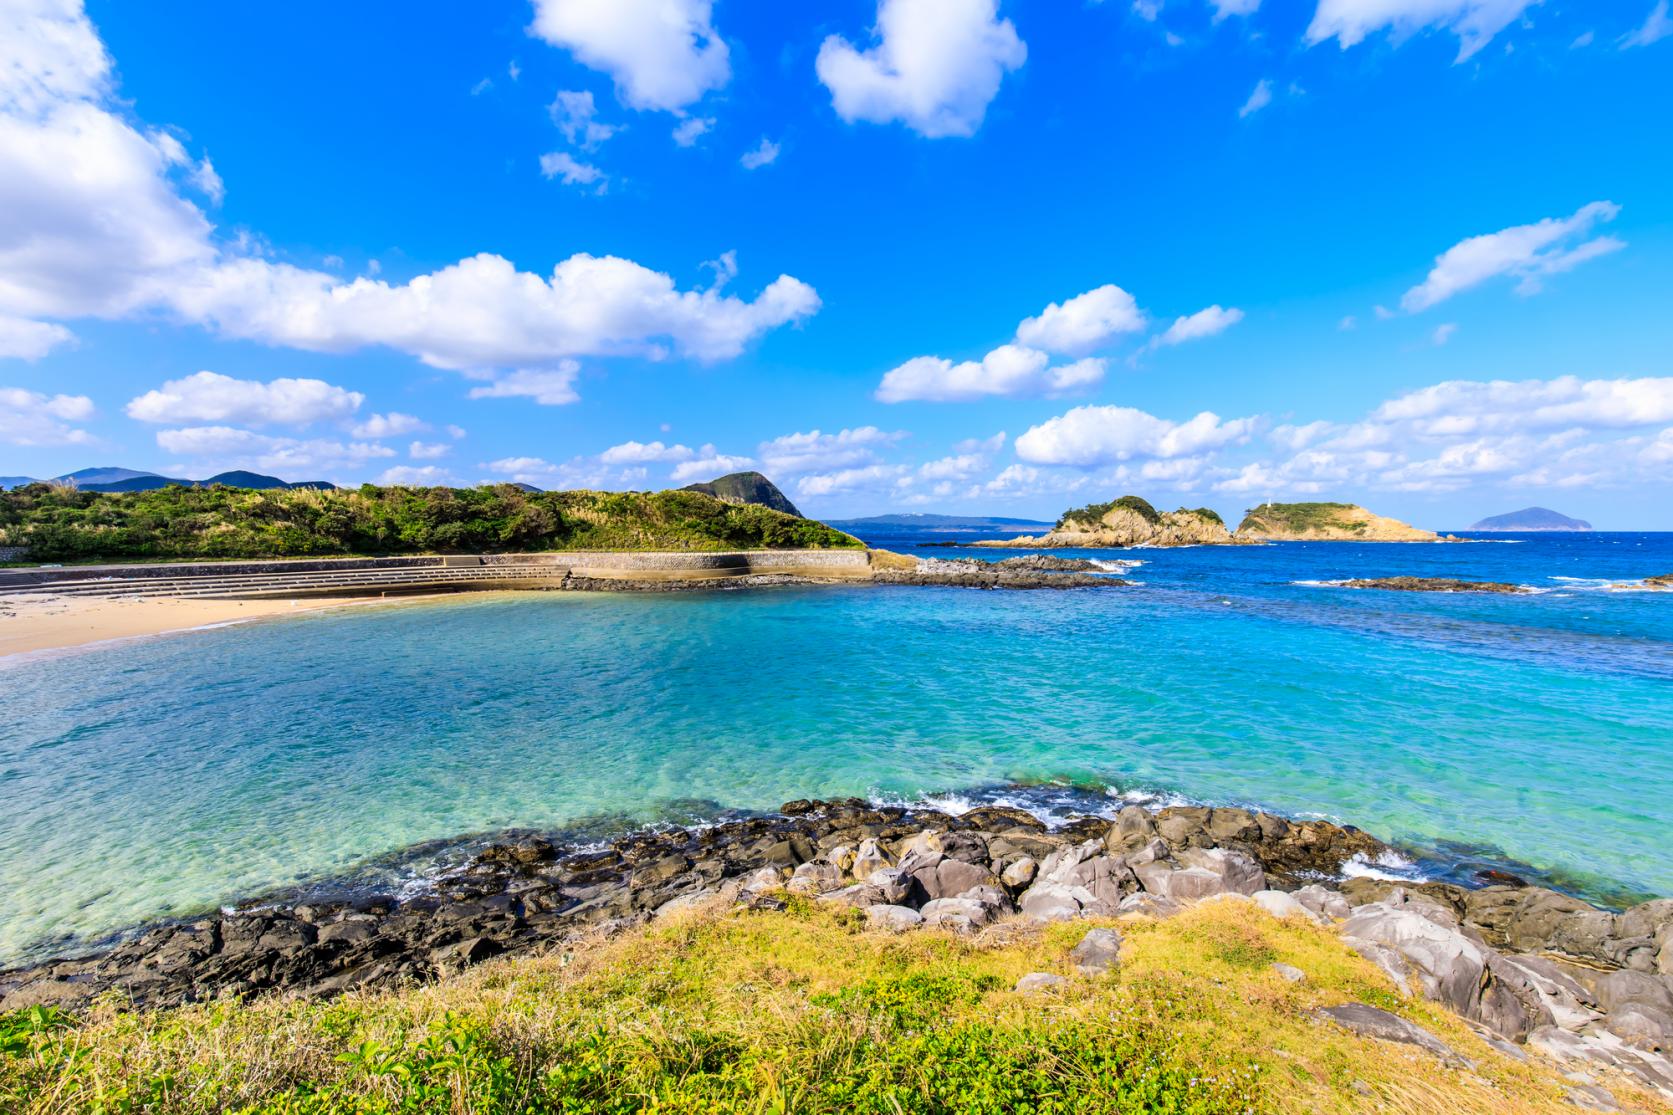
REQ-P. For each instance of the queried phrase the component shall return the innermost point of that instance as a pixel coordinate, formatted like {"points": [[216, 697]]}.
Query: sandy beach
{"points": [[37, 623]]}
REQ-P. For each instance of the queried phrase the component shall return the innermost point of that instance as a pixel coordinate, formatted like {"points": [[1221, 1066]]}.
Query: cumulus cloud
{"points": [[762, 154], [392, 424], [428, 450], [94, 223], [1203, 323], [635, 452], [709, 464], [221, 448], [662, 54], [1259, 99], [1467, 407], [561, 164], [871, 477], [1475, 22], [1084, 323], [688, 131], [1095, 435], [30, 340], [549, 387], [935, 66], [1657, 26], [1009, 370], [576, 116], [31, 418], [211, 397], [1225, 9], [815, 451], [1526, 252]]}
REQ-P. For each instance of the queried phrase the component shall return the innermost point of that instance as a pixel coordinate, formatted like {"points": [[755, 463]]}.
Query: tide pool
{"points": [[165, 776]]}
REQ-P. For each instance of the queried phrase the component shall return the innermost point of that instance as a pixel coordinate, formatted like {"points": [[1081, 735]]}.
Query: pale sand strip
{"points": [[37, 623]]}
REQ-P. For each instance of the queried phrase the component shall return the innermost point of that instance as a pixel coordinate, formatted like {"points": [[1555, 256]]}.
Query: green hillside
{"points": [[61, 524]]}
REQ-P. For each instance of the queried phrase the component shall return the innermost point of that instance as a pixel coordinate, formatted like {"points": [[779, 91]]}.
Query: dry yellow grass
{"points": [[808, 1011]]}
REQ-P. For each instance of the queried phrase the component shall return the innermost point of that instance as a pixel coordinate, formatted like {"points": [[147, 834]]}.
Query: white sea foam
{"points": [[1387, 865]]}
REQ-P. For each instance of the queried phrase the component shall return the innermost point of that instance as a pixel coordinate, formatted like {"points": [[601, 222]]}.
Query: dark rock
{"points": [[1371, 1022], [1433, 584]]}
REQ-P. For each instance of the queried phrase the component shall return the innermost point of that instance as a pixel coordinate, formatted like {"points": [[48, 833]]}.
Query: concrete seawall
{"points": [[430, 573]]}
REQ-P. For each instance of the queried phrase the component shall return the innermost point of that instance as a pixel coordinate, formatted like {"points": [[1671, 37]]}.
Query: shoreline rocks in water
{"points": [[1433, 584], [1035, 571], [1529, 964]]}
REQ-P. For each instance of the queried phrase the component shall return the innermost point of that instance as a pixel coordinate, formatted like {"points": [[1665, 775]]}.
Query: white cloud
{"points": [[1094, 435], [575, 115], [936, 66], [981, 445], [1225, 9], [93, 224], [634, 452], [561, 164], [690, 130], [1009, 370], [211, 397], [1259, 99], [1475, 22], [1443, 333], [1465, 407], [1084, 323], [762, 154], [549, 387], [708, 465], [1147, 10], [392, 424], [30, 340], [415, 476], [455, 432], [871, 477], [428, 450], [1204, 323], [223, 448], [662, 54], [1657, 26], [816, 451], [31, 418], [1528, 252]]}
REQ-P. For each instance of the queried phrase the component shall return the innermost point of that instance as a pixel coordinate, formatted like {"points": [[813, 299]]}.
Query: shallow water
{"points": [[165, 776]]}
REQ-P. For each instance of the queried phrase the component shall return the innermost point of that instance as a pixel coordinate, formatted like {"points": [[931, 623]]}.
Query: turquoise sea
{"points": [[165, 776]]}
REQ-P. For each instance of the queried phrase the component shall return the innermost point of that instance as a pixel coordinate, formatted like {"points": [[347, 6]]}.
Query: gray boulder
{"points": [[1239, 873], [1281, 905], [936, 876], [1077, 881], [895, 919], [1323, 901], [814, 878], [1371, 1022], [1098, 952], [1019, 873], [1132, 830], [869, 857], [969, 911], [1179, 884], [1035, 983]]}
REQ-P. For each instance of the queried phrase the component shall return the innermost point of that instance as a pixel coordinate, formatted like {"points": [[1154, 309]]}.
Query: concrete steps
{"points": [[256, 585]]}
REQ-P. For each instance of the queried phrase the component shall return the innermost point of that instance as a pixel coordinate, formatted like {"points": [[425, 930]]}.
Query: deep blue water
{"points": [[164, 776]]}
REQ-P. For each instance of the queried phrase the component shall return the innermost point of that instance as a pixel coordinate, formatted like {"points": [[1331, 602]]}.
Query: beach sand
{"points": [[37, 623]]}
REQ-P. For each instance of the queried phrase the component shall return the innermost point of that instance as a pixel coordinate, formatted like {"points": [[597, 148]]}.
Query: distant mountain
{"points": [[1531, 518], [110, 479], [16, 481], [919, 521], [746, 487], [104, 474]]}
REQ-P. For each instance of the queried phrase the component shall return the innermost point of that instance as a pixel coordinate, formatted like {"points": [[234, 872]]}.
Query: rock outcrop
{"points": [[1128, 521], [1325, 522], [746, 487], [1527, 965], [1433, 584]]}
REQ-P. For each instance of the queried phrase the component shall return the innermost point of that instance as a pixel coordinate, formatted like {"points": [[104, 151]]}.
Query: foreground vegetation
{"points": [[800, 1011], [61, 524]]}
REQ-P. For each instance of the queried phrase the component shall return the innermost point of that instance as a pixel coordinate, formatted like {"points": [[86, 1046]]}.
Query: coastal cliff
{"points": [[1326, 522], [1128, 521]]}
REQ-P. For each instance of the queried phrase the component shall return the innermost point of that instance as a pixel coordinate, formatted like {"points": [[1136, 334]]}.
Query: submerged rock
{"points": [[1434, 584]]}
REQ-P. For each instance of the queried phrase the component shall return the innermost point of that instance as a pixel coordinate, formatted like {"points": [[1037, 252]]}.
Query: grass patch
{"points": [[1093, 513], [803, 1011], [1300, 517]]}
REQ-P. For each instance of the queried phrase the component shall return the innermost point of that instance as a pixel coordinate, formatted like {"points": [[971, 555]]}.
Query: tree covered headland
{"points": [[62, 524]]}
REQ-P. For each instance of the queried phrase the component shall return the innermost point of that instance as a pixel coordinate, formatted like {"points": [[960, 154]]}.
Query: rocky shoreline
{"points": [[1434, 584], [1527, 964]]}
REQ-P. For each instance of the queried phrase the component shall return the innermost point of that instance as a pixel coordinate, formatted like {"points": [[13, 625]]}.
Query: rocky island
{"points": [[1127, 521], [1529, 519], [1326, 522]]}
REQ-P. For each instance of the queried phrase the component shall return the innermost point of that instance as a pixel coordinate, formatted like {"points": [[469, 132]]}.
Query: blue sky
{"points": [[1411, 253]]}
